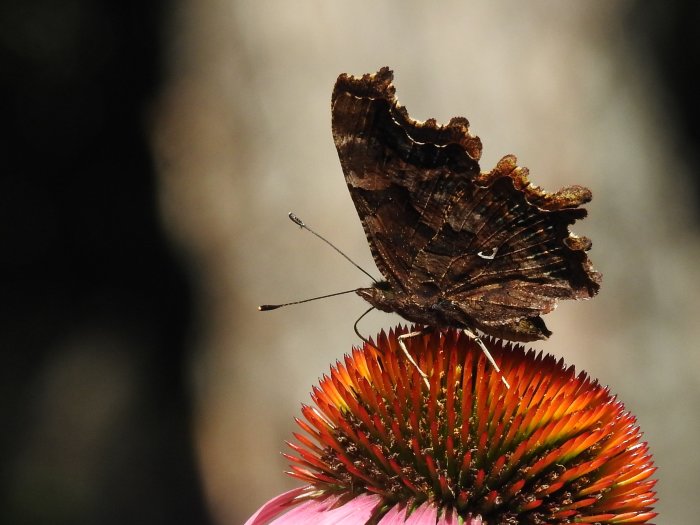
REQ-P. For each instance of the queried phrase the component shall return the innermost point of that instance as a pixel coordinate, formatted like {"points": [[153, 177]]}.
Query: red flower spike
{"points": [[554, 448], [479, 481]]}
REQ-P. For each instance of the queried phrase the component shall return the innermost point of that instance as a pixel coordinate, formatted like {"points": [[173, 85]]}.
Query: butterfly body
{"points": [[457, 247]]}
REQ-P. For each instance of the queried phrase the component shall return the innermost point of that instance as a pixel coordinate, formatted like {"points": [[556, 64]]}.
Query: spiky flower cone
{"points": [[382, 447]]}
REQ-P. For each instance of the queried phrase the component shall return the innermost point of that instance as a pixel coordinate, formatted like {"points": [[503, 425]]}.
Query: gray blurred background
{"points": [[156, 149]]}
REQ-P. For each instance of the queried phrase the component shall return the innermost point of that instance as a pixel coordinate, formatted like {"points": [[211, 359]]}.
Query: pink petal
{"points": [[425, 514], [282, 510], [275, 506], [317, 511], [395, 516]]}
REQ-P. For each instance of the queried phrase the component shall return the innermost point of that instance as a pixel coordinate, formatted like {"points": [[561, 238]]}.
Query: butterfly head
{"points": [[421, 310], [381, 295]]}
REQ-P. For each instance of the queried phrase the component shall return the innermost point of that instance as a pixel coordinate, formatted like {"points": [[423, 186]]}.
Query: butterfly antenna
{"points": [[268, 307], [296, 220]]}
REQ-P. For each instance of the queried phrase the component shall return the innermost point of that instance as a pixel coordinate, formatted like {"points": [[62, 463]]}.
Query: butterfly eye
{"points": [[488, 254]]}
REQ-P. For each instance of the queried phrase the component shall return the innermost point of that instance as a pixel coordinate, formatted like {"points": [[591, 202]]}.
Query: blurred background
{"points": [[152, 151]]}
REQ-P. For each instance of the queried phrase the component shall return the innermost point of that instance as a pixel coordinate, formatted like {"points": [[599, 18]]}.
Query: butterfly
{"points": [[457, 247]]}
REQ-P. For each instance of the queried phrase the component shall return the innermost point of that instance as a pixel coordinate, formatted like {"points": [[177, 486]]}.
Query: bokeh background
{"points": [[152, 151]]}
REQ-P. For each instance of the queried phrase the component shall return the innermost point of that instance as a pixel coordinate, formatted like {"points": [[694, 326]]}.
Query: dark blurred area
{"points": [[94, 308], [667, 36]]}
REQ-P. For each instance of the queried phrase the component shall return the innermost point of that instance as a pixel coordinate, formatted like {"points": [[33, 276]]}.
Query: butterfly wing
{"points": [[489, 248], [391, 177]]}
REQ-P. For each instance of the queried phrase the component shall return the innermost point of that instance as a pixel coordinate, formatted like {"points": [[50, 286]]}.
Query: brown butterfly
{"points": [[457, 247]]}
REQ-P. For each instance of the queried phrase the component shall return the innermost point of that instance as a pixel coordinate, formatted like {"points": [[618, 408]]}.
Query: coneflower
{"points": [[380, 446]]}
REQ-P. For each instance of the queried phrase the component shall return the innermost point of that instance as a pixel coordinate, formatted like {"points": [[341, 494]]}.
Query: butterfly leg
{"points": [[410, 357], [471, 335], [357, 322]]}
